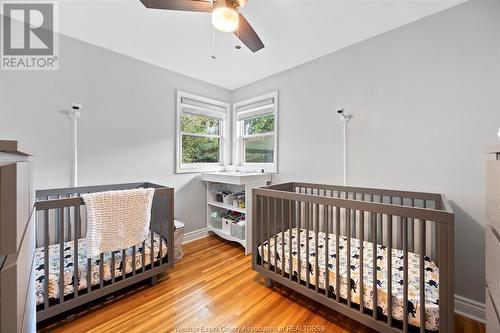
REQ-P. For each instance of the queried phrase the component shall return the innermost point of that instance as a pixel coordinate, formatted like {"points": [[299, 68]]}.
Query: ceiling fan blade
{"points": [[185, 5], [248, 36]]}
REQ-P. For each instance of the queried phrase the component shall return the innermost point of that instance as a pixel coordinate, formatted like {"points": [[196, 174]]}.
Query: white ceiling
{"points": [[294, 32]]}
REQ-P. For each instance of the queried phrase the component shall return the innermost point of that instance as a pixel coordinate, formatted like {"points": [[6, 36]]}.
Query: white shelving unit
{"points": [[234, 182]]}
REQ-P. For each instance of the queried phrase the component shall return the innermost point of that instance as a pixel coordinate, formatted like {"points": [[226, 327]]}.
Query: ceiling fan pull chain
{"points": [[214, 48], [237, 35]]}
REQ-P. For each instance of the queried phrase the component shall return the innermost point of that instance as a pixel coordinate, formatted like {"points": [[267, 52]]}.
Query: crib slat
{"points": [[405, 274], [282, 238], [124, 261], [60, 217], [380, 222], [151, 252], [361, 260], [113, 267], [76, 229], [275, 236], [411, 222], [268, 222], [370, 225], [316, 250], [422, 275], [337, 254], [101, 270], [348, 255], [133, 259], [290, 268], [89, 275], [297, 237], [46, 241], [159, 219], [307, 244], [326, 219], [398, 235], [353, 219], [57, 225], [374, 277], [389, 270], [68, 222], [261, 224], [143, 256]]}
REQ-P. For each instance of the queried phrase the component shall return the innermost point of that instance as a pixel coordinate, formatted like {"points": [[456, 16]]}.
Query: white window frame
{"points": [[205, 107], [239, 135]]}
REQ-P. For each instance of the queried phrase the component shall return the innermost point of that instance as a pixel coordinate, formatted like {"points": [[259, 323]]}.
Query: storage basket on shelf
{"points": [[219, 196], [238, 229], [216, 220], [239, 199], [229, 218], [226, 225], [227, 197]]}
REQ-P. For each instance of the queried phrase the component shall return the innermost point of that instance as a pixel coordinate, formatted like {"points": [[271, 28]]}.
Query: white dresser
{"points": [[493, 240], [17, 240]]}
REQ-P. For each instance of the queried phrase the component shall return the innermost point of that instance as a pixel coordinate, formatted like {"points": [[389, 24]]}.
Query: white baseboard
{"points": [[469, 308], [194, 235]]}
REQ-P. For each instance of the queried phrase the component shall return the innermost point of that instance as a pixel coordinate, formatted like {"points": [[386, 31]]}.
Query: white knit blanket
{"points": [[117, 220]]}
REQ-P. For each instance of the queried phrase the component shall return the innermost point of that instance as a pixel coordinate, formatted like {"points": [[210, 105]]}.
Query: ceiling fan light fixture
{"points": [[225, 19]]}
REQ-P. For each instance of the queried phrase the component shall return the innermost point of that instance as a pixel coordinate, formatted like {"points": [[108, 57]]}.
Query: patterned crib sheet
{"points": [[431, 273], [54, 272]]}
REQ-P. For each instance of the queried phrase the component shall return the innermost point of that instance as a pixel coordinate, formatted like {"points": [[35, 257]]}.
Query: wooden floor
{"points": [[213, 288]]}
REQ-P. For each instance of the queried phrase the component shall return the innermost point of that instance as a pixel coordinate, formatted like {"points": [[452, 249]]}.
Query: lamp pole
{"points": [[74, 115], [345, 118]]}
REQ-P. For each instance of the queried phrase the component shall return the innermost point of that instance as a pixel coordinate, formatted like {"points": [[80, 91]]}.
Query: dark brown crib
{"points": [[381, 257], [61, 229]]}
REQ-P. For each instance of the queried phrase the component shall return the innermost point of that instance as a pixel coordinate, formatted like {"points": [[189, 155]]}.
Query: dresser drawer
{"points": [[16, 285], [493, 193], [16, 205], [492, 319], [493, 262]]}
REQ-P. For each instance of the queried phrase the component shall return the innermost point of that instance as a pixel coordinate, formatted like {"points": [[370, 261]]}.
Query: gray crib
{"points": [[66, 279], [381, 257]]}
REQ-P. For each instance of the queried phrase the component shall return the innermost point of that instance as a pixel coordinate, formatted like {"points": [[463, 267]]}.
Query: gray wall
{"points": [[426, 102], [425, 97], [127, 129]]}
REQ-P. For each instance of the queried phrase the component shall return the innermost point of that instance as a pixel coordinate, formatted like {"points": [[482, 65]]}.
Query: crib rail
{"points": [[61, 218], [408, 222]]}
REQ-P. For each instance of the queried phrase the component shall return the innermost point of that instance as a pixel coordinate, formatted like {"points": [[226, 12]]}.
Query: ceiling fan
{"points": [[225, 16]]}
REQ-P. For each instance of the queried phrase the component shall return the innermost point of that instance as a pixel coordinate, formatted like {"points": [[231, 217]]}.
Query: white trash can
{"points": [[178, 237]]}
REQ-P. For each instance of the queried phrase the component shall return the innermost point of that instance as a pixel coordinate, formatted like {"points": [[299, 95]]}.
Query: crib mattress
{"points": [[431, 273], [54, 272]]}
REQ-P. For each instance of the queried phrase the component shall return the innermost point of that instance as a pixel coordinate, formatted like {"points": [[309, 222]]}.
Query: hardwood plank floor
{"points": [[213, 287]]}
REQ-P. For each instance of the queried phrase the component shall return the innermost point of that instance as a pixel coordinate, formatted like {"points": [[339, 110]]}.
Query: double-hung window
{"points": [[202, 133], [256, 133]]}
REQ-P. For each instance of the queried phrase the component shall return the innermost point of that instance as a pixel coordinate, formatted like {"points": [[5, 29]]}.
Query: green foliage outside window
{"points": [[191, 123], [199, 149], [258, 125]]}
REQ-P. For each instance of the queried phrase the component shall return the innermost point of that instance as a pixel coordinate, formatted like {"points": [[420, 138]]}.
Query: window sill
{"points": [[258, 167], [199, 170]]}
